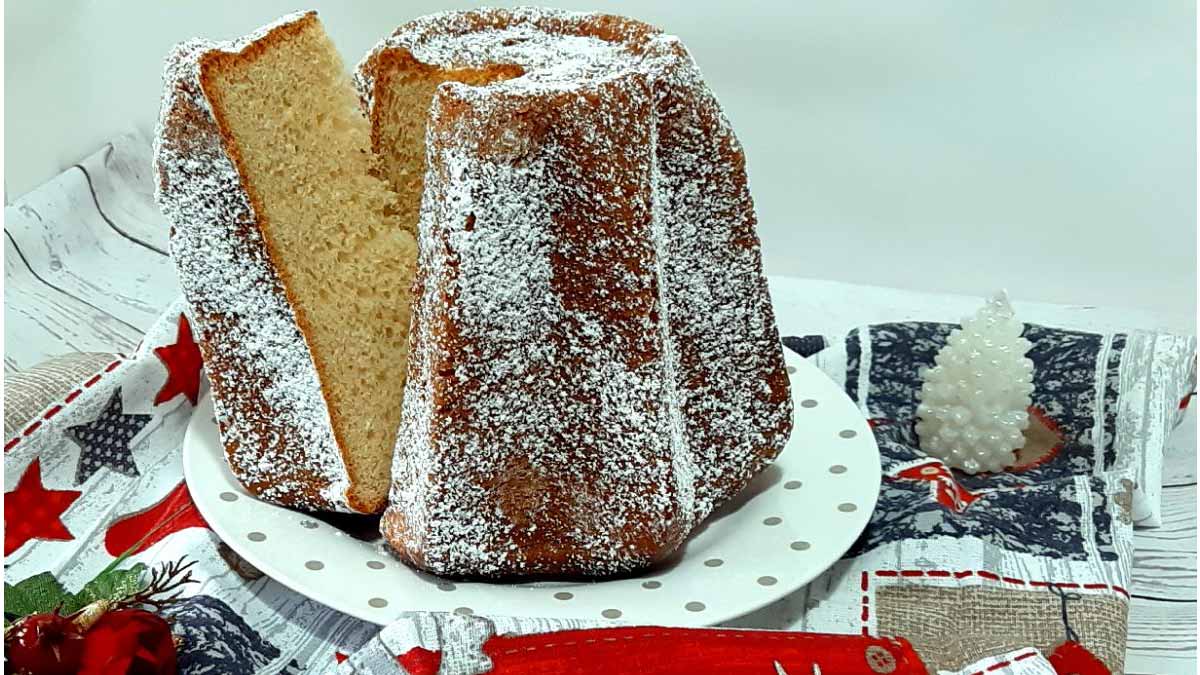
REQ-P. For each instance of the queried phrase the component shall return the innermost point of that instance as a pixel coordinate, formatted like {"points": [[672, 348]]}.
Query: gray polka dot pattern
{"points": [[104, 442]]}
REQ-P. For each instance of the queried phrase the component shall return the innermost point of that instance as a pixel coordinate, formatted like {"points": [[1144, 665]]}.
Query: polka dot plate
{"points": [[789, 525]]}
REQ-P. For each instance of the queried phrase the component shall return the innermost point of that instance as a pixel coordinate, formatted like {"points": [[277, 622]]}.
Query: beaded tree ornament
{"points": [[974, 402]]}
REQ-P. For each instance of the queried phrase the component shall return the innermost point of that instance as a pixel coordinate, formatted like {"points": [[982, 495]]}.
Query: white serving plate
{"points": [[789, 525]]}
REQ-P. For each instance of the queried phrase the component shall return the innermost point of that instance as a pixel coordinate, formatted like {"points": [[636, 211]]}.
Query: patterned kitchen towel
{"points": [[964, 565]]}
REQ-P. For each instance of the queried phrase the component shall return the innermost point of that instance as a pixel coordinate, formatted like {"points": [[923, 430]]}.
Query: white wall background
{"points": [[1046, 147]]}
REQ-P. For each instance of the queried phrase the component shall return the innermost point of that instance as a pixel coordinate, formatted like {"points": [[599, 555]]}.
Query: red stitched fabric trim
{"points": [[992, 576], [57, 408]]}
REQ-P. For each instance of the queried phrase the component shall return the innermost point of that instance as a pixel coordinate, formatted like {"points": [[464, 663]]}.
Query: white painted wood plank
{"points": [[1162, 638], [41, 322], [1179, 460], [67, 243], [122, 182], [1164, 559], [1156, 664]]}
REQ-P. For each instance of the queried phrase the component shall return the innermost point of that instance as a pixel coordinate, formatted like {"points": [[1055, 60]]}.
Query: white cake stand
{"points": [[792, 523]]}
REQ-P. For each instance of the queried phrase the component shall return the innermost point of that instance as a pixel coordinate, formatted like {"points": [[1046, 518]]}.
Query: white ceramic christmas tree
{"points": [[975, 400]]}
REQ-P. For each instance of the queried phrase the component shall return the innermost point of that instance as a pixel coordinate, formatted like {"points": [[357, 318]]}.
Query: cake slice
{"points": [[295, 267]]}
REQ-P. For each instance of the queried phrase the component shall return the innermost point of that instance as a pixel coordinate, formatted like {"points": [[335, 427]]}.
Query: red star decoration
{"points": [[183, 363], [171, 514], [33, 512]]}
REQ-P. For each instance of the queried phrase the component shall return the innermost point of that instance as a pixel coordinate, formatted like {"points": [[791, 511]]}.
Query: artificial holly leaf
{"points": [[111, 584], [39, 593]]}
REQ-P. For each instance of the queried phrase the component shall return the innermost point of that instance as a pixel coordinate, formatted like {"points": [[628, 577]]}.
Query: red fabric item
{"points": [[33, 512], [420, 661], [183, 363], [681, 651], [171, 514], [129, 642], [1072, 658]]}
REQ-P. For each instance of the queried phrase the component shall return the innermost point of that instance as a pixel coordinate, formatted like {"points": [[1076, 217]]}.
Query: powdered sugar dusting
{"points": [[274, 420], [594, 363]]}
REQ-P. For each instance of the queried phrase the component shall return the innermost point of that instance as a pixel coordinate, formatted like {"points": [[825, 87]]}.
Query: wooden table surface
{"points": [[96, 283]]}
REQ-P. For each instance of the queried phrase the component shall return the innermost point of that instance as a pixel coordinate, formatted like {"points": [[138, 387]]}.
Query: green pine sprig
{"points": [[43, 592]]}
